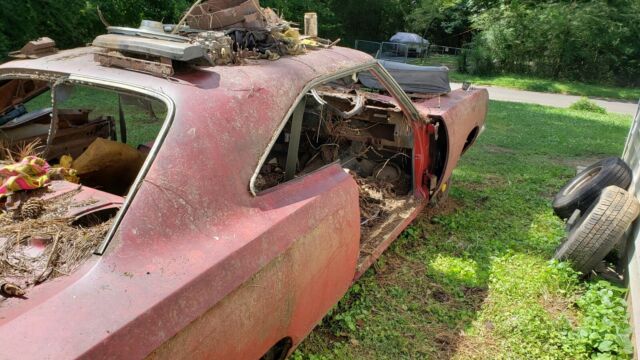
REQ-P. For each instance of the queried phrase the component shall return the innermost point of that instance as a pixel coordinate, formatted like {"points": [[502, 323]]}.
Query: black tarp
{"points": [[412, 78]]}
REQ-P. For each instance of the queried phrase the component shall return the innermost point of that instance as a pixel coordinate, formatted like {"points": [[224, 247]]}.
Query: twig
{"points": [[184, 18], [101, 16], [375, 216], [387, 163], [47, 271]]}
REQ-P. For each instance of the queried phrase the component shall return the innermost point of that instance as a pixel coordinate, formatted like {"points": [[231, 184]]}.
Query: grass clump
{"points": [[585, 104], [474, 280]]}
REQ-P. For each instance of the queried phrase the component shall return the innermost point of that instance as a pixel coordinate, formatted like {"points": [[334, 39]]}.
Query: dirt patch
{"points": [[440, 296], [481, 346], [446, 206], [575, 162], [446, 343], [558, 306]]}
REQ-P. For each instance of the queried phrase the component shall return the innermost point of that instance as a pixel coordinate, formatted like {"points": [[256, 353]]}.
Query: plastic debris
{"points": [[31, 173]]}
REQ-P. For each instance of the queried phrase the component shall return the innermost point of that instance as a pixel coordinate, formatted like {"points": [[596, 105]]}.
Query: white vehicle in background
{"points": [[416, 44]]}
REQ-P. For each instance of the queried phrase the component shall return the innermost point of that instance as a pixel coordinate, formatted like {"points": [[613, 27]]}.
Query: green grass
{"points": [[141, 129], [475, 280], [551, 86]]}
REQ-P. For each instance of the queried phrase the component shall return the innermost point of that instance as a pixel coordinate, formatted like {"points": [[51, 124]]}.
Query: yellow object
{"points": [[66, 161], [292, 34], [29, 174], [64, 170], [109, 165], [291, 38]]}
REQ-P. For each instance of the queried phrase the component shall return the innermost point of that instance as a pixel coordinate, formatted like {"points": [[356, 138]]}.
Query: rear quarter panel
{"points": [[293, 292], [460, 112]]}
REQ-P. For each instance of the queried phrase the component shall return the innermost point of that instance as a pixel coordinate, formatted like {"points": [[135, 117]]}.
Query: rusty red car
{"points": [[263, 192]]}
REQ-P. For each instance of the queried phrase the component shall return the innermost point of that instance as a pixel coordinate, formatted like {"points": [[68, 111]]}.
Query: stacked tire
{"points": [[600, 211]]}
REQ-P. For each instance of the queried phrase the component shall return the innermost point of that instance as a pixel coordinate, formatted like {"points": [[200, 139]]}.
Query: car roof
{"points": [[80, 63]]}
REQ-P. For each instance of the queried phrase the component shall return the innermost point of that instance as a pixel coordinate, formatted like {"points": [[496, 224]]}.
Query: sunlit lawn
{"points": [[476, 281]]}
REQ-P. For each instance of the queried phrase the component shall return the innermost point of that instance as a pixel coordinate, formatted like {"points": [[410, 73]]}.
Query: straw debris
{"points": [[34, 249]]}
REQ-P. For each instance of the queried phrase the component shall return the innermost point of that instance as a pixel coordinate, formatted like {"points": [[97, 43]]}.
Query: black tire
{"points": [[598, 231], [585, 188]]}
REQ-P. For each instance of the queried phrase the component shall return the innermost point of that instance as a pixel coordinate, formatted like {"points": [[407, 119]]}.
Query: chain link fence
{"points": [[428, 55]]}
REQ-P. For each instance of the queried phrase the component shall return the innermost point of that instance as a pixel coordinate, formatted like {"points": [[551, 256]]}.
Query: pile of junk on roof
{"points": [[216, 32], [50, 223]]}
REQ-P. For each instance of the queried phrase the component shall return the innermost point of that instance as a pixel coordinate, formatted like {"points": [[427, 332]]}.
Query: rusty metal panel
{"points": [[181, 51], [36, 49], [123, 62], [225, 13]]}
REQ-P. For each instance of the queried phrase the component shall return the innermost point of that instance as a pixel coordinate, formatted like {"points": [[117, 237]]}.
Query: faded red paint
{"points": [[199, 268], [462, 112], [88, 200]]}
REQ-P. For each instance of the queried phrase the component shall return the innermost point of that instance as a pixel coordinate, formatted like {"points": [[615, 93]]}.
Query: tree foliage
{"points": [[593, 40], [590, 40]]}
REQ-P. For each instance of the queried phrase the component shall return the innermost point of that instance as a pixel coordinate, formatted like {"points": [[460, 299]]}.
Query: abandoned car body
{"points": [[269, 189]]}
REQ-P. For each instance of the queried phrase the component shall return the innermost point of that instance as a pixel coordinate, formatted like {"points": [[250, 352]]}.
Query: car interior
{"points": [[342, 122], [105, 132]]}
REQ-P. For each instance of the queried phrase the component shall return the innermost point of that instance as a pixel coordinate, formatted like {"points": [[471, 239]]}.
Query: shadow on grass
{"points": [[427, 291]]}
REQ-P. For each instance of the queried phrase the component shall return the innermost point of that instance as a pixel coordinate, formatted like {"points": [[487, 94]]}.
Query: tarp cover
{"points": [[412, 78], [403, 37]]}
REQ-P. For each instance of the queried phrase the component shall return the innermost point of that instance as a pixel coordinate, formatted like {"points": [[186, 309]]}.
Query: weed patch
{"points": [[585, 104]]}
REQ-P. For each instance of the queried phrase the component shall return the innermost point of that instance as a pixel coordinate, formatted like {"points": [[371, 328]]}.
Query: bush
{"points": [[591, 40], [476, 60], [585, 104]]}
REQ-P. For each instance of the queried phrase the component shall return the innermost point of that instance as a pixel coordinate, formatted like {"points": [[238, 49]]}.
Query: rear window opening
{"points": [[91, 143], [107, 133], [369, 136]]}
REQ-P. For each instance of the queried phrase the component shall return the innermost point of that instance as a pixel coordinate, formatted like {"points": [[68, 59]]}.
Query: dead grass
{"points": [[559, 306], [13, 154], [35, 250]]}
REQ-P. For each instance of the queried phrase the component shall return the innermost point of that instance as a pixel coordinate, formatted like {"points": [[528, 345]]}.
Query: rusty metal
{"points": [[162, 68], [460, 112], [20, 91], [88, 201], [36, 49], [213, 15]]}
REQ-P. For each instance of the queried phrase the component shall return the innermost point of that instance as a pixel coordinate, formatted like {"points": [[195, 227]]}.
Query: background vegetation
{"points": [[586, 40]]}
